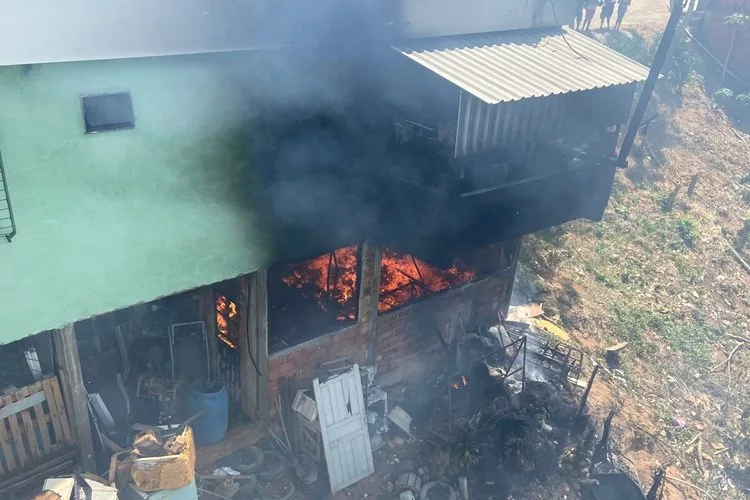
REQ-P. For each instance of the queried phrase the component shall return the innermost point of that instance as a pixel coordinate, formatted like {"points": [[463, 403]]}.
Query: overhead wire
{"points": [[565, 39]]}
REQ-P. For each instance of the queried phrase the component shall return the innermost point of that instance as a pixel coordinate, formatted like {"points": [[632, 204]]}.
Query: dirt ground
{"points": [[660, 275]]}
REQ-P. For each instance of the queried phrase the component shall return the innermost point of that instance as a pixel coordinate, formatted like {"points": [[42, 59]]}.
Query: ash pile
{"points": [[516, 425]]}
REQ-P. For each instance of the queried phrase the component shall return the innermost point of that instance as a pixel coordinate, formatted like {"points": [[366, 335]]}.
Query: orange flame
{"points": [[404, 278], [224, 308], [464, 383], [333, 276]]}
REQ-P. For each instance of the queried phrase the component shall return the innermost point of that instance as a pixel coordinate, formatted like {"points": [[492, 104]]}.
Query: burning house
{"points": [[188, 208]]}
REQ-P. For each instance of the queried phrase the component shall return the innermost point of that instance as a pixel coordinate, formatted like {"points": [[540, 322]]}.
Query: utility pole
{"points": [[653, 77]]}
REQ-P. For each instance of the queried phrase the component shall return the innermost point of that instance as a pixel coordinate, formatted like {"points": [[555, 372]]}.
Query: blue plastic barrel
{"points": [[211, 426]]}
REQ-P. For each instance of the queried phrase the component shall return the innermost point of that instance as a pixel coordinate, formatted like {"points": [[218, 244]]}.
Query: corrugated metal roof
{"points": [[508, 66]]}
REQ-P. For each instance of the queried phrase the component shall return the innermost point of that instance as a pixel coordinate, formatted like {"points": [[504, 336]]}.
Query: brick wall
{"points": [[351, 343], [301, 362], [407, 344]]}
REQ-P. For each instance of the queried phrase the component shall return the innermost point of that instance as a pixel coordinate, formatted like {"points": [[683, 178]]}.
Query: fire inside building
{"points": [[368, 215]]}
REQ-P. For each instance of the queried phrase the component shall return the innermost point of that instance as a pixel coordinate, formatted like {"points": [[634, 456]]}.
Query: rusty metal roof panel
{"points": [[508, 66]]}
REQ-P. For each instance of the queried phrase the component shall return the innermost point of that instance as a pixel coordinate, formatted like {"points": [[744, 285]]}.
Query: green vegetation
{"points": [[737, 19], [691, 340], [688, 272], [633, 45], [688, 230], [736, 106], [681, 63], [723, 96], [667, 202]]}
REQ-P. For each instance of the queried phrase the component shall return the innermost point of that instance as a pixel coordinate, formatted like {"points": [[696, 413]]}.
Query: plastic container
{"points": [[211, 426]]}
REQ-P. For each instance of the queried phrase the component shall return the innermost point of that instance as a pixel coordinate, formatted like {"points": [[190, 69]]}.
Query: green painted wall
{"points": [[112, 219]]}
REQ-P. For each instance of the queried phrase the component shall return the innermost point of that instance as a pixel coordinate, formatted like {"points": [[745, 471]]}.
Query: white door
{"points": [[343, 423]]}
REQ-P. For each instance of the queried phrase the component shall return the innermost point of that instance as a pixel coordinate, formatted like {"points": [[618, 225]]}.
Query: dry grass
{"points": [[657, 273]]}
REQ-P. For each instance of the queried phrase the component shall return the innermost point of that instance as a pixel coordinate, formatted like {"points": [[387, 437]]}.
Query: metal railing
{"points": [[7, 222]]}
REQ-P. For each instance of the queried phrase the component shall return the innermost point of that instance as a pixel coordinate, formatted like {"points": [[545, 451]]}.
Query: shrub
{"points": [[743, 101], [682, 62], [632, 45], [723, 97], [688, 230]]}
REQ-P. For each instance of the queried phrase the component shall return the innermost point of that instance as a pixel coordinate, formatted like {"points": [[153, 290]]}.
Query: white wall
{"points": [[425, 18]]}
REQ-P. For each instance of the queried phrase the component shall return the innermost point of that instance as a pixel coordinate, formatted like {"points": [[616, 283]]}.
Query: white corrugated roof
{"points": [[512, 65]]}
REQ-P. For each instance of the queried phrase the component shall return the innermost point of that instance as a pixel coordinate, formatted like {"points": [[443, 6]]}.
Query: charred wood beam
{"points": [[601, 453], [659, 476], [588, 390]]}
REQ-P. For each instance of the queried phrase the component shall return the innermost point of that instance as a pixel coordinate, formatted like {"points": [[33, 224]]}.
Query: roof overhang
{"points": [[513, 65]]}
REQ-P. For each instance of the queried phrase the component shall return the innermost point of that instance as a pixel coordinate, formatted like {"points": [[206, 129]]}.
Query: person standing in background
{"points": [[622, 8], [590, 6], [579, 14], [607, 10]]}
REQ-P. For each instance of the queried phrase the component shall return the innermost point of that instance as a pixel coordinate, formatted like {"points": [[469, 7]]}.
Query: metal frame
{"points": [[519, 346], [557, 358], [9, 236], [205, 340]]}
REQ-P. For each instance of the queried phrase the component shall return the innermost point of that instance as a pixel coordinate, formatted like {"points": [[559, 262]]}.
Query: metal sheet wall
{"points": [[483, 126]]}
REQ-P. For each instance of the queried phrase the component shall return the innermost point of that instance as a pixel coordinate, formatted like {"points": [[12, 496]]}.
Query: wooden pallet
{"points": [[34, 427]]}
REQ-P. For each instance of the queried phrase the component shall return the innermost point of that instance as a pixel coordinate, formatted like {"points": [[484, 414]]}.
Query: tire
{"points": [[289, 494], [276, 471], [306, 470], [253, 462], [424, 494]]}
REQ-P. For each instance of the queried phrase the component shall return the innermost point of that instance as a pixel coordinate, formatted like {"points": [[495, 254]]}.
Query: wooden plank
{"points": [[208, 315], [42, 420], [261, 312], [74, 393], [53, 412], [46, 468], [49, 471], [23, 403], [9, 461], [34, 448], [368, 296], [15, 432], [67, 433]]}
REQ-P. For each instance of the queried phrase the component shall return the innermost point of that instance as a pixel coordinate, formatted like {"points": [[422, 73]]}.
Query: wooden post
{"points": [[729, 54], [260, 291], [650, 84], [254, 344], [208, 316], [248, 365], [74, 393], [369, 293]]}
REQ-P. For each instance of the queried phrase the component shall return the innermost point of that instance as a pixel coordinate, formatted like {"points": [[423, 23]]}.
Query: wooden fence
{"points": [[34, 429]]}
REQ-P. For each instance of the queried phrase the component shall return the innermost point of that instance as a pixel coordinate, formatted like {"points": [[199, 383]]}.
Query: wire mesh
{"points": [[25, 361]]}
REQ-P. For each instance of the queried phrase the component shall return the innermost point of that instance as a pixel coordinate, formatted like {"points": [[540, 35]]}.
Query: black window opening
{"points": [[108, 112], [312, 298], [405, 279]]}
